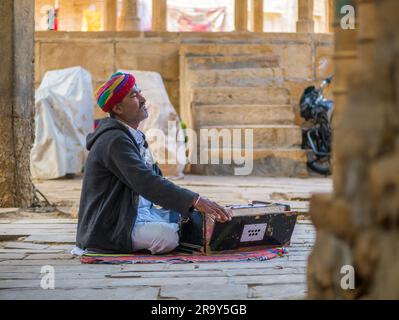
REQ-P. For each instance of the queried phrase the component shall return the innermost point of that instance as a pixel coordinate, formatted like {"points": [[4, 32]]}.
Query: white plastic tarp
{"points": [[64, 107], [162, 127]]}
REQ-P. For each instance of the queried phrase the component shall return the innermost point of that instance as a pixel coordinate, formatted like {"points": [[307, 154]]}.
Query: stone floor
{"points": [[29, 241]]}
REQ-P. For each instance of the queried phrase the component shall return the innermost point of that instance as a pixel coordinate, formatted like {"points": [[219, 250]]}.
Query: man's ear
{"points": [[117, 109]]}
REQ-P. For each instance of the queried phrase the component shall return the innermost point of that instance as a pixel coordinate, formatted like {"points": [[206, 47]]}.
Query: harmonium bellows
{"points": [[254, 226]]}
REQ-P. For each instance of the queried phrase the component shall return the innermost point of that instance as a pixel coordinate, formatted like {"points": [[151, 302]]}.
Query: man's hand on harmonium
{"points": [[214, 210]]}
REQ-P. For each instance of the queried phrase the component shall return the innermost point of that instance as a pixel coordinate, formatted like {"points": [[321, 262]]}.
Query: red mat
{"points": [[174, 258]]}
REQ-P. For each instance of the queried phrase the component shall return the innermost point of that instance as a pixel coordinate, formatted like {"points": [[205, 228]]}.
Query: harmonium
{"points": [[258, 225]]}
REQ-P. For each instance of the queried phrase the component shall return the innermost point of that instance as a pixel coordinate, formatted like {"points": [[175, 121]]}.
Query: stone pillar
{"points": [[257, 12], [110, 15], [330, 15], [305, 21], [159, 15], [129, 18], [241, 15], [345, 57], [366, 32], [345, 63], [16, 101], [357, 224]]}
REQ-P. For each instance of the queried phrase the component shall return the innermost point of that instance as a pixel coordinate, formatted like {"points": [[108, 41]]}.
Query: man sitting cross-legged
{"points": [[122, 185]]}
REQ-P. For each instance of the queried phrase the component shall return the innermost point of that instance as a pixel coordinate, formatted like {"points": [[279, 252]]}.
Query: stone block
{"points": [[95, 57], [220, 49], [161, 57], [324, 61], [266, 163], [233, 62], [264, 136], [237, 77], [243, 115], [172, 88], [295, 59]]}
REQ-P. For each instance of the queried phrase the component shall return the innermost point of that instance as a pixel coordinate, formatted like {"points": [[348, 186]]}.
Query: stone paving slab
{"points": [[32, 241]]}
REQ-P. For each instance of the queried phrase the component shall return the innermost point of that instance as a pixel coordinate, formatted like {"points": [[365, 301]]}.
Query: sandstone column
{"points": [[305, 21], [241, 15], [357, 224], [129, 18], [110, 15], [345, 57], [159, 15], [366, 32], [257, 11], [330, 15], [16, 101]]}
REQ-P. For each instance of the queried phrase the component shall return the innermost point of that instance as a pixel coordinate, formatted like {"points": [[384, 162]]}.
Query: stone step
{"points": [[219, 49], [240, 95], [265, 163], [264, 136], [210, 115], [236, 77], [232, 62]]}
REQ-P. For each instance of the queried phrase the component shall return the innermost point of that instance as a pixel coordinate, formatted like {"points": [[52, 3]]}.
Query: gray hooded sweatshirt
{"points": [[115, 175]]}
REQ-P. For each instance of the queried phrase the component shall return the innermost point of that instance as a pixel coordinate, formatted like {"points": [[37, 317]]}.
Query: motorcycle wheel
{"points": [[319, 165]]}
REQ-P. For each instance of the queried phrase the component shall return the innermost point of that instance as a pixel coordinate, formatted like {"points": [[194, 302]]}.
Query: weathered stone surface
{"points": [[383, 282], [199, 292], [214, 115], [324, 61], [324, 275], [241, 95], [333, 215], [161, 57], [139, 293], [365, 202], [264, 136], [220, 78], [384, 182], [266, 163], [236, 77], [90, 56], [301, 66], [232, 62], [16, 101]]}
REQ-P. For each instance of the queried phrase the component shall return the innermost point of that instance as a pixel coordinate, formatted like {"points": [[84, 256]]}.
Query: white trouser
{"points": [[158, 237]]}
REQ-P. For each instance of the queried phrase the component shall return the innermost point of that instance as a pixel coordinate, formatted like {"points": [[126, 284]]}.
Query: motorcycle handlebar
{"points": [[329, 79], [326, 82]]}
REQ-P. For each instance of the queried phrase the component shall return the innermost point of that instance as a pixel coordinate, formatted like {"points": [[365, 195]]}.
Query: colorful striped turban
{"points": [[114, 90]]}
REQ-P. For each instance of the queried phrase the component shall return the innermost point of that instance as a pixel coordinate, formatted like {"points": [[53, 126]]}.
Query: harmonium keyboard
{"points": [[255, 226]]}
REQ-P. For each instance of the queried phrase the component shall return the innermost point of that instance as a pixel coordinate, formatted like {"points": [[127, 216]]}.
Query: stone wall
{"points": [[358, 224], [304, 57]]}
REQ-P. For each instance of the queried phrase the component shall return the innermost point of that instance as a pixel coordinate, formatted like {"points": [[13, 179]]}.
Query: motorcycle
{"points": [[316, 109]]}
